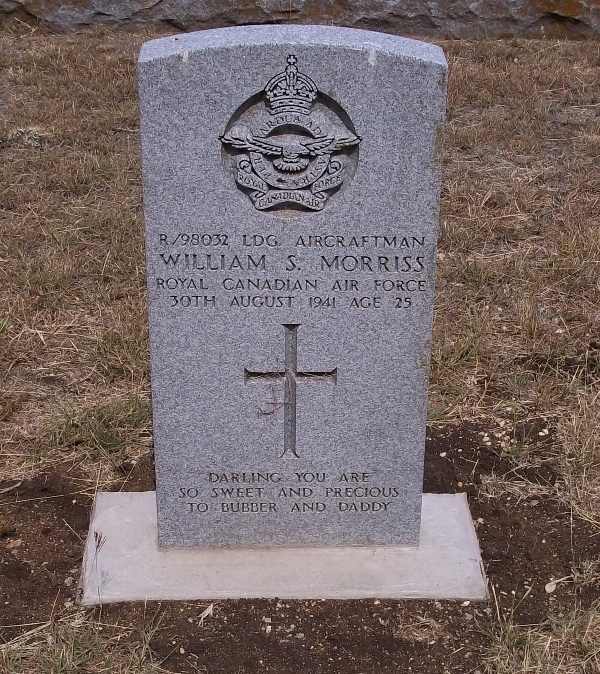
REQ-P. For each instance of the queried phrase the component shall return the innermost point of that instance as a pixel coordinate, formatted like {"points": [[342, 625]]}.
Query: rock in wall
{"points": [[435, 18]]}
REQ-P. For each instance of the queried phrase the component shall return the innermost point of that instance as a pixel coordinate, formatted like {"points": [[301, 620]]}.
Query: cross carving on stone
{"points": [[290, 374]]}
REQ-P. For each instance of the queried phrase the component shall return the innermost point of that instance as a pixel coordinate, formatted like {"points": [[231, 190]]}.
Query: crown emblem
{"points": [[290, 91]]}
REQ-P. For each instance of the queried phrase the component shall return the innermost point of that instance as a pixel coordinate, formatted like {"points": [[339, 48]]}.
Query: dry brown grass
{"points": [[73, 325], [79, 645], [422, 629], [519, 248], [520, 253], [516, 341], [568, 642]]}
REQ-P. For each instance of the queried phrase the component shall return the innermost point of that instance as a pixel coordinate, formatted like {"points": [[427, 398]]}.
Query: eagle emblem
{"points": [[292, 151]]}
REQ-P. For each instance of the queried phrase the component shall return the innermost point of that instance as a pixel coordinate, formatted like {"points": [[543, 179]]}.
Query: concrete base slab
{"points": [[124, 563]]}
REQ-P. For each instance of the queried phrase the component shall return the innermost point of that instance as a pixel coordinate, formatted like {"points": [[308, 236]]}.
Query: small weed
{"points": [[108, 431], [436, 413], [10, 403], [32, 136], [422, 629], [123, 353], [587, 572]]}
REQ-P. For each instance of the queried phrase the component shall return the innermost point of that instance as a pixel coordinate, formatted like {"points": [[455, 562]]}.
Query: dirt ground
{"points": [[526, 543], [514, 390]]}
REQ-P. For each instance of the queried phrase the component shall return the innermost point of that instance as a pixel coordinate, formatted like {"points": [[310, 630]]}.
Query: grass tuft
{"points": [[567, 642], [111, 431], [79, 646]]}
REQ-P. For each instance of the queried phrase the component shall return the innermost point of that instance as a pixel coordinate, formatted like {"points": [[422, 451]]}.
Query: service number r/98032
{"points": [[206, 240]]}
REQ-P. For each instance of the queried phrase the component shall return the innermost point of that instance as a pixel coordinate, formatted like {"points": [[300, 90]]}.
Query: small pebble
{"points": [[300, 635], [443, 454]]}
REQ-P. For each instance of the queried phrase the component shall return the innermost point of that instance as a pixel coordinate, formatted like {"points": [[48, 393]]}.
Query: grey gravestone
{"points": [[291, 190], [291, 195]]}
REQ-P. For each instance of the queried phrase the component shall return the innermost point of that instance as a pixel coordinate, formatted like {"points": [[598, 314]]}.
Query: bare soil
{"points": [[525, 543]]}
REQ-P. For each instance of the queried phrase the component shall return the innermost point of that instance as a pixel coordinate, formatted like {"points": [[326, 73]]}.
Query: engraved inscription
{"points": [[355, 272], [195, 239], [295, 492]]}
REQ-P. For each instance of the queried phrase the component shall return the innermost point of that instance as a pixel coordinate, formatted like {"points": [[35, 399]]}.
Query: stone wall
{"points": [[434, 18]]}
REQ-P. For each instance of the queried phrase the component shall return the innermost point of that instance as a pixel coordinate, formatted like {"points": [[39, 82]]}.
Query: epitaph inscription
{"points": [[290, 150]]}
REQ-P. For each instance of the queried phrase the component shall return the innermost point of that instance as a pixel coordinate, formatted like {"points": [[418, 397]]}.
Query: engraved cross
{"points": [[290, 374]]}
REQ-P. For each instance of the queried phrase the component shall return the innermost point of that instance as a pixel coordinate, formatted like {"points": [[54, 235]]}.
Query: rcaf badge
{"points": [[292, 147]]}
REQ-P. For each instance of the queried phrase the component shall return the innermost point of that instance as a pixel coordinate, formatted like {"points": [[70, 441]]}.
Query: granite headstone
{"points": [[291, 190], [291, 195]]}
